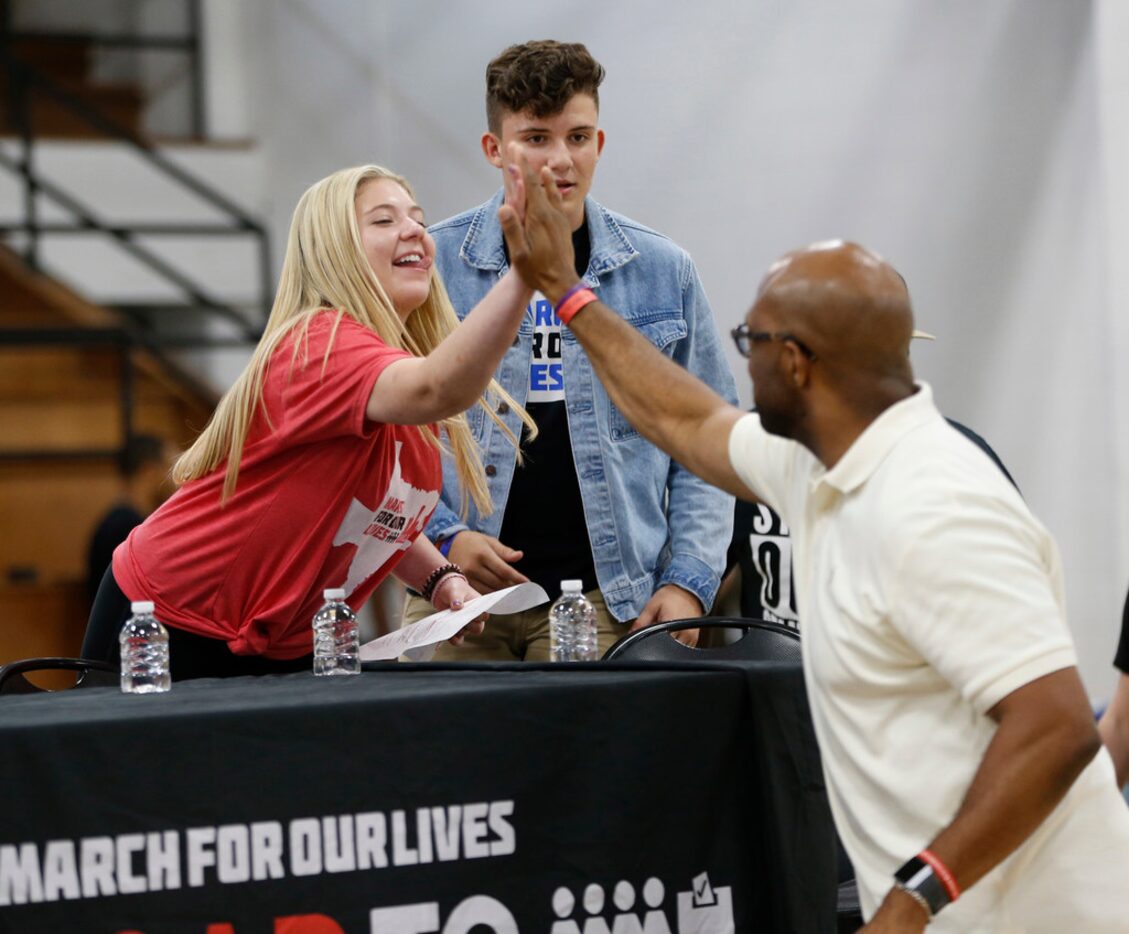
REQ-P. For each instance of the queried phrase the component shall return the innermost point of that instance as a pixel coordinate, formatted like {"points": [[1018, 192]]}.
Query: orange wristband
{"points": [[573, 302], [948, 880]]}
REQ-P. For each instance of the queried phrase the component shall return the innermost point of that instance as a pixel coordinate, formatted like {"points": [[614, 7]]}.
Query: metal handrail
{"points": [[156, 230], [118, 40], [124, 236], [188, 43], [29, 74], [117, 336], [25, 79]]}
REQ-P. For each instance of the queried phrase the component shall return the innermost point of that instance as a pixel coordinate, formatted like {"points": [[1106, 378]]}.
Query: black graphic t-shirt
{"points": [[762, 548], [544, 514]]}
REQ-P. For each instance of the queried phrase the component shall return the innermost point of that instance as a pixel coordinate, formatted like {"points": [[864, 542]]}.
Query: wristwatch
{"points": [[917, 879]]}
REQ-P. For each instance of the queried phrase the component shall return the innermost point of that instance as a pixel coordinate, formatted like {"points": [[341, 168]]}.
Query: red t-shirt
{"points": [[325, 498]]}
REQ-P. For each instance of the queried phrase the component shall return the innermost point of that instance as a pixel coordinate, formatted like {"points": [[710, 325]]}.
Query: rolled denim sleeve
{"points": [[700, 516], [444, 523]]}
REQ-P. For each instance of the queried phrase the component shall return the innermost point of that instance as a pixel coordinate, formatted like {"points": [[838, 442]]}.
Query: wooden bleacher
{"points": [[69, 64], [64, 399]]}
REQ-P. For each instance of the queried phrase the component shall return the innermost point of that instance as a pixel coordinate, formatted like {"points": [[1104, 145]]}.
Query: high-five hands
{"points": [[513, 183], [538, 234]]}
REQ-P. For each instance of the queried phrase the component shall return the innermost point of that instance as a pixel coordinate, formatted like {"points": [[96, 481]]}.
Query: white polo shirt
{"points": [[928, 592]]}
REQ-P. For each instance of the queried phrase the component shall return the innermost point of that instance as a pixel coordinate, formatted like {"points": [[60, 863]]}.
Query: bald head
{"points": [[848, 305]]}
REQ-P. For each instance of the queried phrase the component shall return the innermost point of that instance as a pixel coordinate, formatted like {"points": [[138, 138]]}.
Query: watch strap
{"points": [[918, 879]]}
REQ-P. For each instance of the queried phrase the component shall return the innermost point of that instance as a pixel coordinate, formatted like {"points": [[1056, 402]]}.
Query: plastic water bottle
{"points": [[572, 626], [337, 643], [145, 652]]}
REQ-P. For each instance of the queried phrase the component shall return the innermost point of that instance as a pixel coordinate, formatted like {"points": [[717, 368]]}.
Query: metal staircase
{"points": [[79, 379]]}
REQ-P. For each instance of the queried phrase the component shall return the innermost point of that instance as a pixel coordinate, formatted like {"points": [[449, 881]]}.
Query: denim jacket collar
{"points": [[483, 247]]}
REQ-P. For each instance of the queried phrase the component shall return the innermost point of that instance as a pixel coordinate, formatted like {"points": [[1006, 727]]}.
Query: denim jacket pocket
{"points": [[663, 329]]}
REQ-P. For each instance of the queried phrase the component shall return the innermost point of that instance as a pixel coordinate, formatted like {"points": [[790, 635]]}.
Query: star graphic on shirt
{"points": [[413, 504]]}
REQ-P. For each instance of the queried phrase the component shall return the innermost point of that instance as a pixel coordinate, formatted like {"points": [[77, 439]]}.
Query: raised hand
{"points": [[537, 231], [513, 183]]}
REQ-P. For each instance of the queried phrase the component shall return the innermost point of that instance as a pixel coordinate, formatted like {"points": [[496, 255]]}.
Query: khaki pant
{"points": [[514, 637]]}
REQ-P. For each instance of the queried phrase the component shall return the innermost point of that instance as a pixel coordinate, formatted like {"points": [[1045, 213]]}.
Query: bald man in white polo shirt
{"points": [[960, 751]]}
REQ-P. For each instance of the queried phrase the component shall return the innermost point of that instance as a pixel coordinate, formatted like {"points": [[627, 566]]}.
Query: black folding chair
{"points": [[89, 673], [759, 640]]}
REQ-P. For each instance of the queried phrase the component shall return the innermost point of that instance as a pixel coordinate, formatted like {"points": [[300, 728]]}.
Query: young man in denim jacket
{"points": [[593, 500]]}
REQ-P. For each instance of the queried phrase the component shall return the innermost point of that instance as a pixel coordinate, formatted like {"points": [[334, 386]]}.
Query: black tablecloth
{"points": [[569, 799]]}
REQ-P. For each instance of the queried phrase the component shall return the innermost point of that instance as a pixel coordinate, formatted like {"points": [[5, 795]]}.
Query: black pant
{"points": [[190, 655]]}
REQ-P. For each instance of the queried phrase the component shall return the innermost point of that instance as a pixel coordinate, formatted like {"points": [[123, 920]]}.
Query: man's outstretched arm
{"points": [[672, 409]]}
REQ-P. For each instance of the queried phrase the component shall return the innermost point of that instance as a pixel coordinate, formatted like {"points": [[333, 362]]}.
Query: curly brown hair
{"points": [[541, 76]]}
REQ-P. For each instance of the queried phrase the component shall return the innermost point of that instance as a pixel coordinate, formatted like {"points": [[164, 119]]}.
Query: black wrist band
{"points": [[918, 879]]}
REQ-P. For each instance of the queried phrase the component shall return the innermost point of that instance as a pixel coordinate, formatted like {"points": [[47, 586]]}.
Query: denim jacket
{"points": [[650, 521]]}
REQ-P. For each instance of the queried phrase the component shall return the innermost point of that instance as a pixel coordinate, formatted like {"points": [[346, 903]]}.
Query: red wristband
{"points": [[567, 295], [948, 880], [573, 302]]}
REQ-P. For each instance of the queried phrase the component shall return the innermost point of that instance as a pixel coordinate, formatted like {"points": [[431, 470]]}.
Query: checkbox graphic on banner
{"points": [[702, 910], [705, 909]]}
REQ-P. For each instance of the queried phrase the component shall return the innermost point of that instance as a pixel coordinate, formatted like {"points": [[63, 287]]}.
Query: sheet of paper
{"points": [[446, 623]]}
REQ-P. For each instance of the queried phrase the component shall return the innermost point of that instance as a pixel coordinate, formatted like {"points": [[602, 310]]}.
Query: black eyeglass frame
{"points": [[744, 339]]}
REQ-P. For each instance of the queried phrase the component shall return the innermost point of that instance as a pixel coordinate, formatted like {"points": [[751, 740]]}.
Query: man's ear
{"points": [[492, 149], [799, 364], [599, 142]]}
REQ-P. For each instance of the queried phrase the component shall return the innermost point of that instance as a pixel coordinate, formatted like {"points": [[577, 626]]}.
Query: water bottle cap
{"points": [[572, 586], [142, 606], [334, 593]]}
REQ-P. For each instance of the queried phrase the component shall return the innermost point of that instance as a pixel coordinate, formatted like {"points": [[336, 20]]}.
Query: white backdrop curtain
{"points": [[981, 145]]}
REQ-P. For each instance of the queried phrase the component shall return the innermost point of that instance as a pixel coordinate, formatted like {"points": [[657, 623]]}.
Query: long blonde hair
{"points": [[325, 268]]}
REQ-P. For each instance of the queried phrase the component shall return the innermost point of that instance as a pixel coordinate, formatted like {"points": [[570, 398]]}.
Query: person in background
{"points": [[1114, 724], [592, 500], [320, 466], [963, 765], [145, 484]]}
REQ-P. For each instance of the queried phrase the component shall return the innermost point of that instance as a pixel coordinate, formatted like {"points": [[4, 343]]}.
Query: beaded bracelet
{"points": [[437, 575], [439, 583]]}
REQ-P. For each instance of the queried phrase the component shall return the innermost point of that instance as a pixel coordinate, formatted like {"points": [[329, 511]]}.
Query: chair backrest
{"points": [[760, 640], [90, 673]]}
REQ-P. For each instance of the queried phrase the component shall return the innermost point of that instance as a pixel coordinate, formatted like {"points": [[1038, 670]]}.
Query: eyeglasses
{"points": [[744, 339]]}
